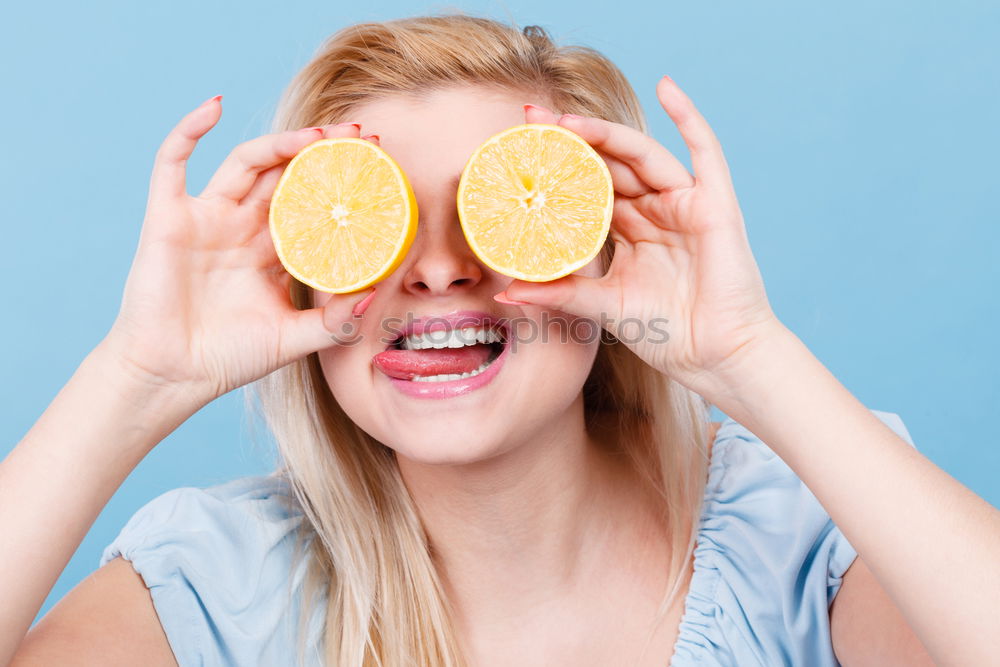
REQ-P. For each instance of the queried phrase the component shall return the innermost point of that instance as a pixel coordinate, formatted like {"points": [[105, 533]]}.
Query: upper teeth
{"points": [[450, 338]]}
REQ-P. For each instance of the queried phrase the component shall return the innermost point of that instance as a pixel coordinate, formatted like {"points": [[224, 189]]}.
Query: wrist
{"points": [[737, 384], [146, 391]]}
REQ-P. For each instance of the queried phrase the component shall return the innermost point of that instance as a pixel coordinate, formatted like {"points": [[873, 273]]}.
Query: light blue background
{"points": [[862, 138]]}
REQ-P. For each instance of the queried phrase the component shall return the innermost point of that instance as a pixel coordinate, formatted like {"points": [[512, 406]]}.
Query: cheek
{"points": [[557, 349], [347, 373]]}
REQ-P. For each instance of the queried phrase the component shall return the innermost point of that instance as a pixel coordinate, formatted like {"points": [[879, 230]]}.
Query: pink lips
{"points": [[402, 365], [448, 321]]}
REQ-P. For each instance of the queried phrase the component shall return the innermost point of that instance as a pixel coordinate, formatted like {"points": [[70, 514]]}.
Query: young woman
{"points": [[571, 504]]}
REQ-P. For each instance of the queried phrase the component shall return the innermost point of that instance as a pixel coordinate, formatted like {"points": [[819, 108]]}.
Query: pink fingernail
{"points": [[362, 306], [530, 107], [502, 298], [207, 102], [372, 137], [357, 125], [311, 129]]}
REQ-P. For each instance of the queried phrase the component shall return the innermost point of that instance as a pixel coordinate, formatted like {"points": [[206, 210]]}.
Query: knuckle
{"points": [[168, 156], [644, 154]]}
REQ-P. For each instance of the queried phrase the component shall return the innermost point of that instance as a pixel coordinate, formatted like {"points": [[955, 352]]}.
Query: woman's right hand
{"points": [[206, 306]]}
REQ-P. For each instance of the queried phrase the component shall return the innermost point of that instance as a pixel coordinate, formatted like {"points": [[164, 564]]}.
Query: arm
{"points": [[204, 311], [867, 628], [107, 619], [931, 543], [59, 477], [682, 255]]}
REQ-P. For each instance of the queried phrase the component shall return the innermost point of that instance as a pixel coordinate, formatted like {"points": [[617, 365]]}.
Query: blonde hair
{"points": [[366, 547]]}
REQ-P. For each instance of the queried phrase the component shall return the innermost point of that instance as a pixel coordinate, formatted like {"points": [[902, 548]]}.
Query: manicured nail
{"points": [[362, 306], [357, 125], [372, 137], [668, 78], [311, 129], [208, 102], [502, 298], [532, 107]]}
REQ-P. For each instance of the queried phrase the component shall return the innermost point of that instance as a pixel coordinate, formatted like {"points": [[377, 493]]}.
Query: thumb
{"points": [[574, 294], [337, 322]]}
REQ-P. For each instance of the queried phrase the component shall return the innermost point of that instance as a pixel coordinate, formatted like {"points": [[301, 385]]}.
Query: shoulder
{"points": [[220, 564], [768, 558], [244, 505], [218, 534], [765, 509]]}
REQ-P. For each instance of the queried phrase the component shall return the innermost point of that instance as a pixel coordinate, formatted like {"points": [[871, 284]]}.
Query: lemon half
{"points": [[535, 202], [342, 216]]}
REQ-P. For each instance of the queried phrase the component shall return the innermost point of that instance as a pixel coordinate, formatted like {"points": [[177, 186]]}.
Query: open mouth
{"points": [[443, 354]]}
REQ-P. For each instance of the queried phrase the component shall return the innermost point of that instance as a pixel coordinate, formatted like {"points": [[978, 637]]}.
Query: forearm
{"points": [[62, 474], [933, 544]]}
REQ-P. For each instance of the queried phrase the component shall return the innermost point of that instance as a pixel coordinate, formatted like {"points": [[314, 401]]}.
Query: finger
{"points": [[707, 159], [170, 166], [260, 193], [654, 164], [625, 180], [574, 294], [263, 188], [332, 323], [629, 223], [239, 171], [632, 223], [537, 114], [624, 176]]}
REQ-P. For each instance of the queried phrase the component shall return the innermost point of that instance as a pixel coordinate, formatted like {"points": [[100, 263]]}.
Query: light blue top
{"points": [[768, 563]]}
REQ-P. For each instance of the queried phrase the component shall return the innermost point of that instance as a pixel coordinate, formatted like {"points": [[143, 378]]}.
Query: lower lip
{"points": [[451, 388]]}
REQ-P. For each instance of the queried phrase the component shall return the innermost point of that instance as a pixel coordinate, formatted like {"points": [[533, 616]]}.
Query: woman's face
{"points": [[531, 386]]}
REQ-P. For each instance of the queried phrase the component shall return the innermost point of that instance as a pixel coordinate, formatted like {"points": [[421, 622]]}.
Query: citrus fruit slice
{"points": [[535, 202], [342, 216]]}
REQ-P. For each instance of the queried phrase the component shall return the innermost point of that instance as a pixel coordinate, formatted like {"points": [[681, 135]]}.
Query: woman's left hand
{"points": [[681, 252]]}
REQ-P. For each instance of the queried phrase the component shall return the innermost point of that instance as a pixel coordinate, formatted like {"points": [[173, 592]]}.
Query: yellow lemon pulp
{"points": [[535, 202], [342, 216]]}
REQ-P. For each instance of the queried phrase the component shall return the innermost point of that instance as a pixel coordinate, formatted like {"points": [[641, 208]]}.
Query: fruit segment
{"points": [[342, 216], [535, 202]]}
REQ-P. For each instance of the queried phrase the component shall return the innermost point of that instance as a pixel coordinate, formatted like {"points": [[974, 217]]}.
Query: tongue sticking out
{"points": [[405, 364]]}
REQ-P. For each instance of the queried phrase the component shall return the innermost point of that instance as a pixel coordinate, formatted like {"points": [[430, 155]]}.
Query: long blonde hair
{"points": [[366, 548]]}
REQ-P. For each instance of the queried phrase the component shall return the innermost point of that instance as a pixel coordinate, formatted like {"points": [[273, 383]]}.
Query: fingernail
{"points": [[311, 129], [530, 107], [362, 306], [372, 137], [357, 125], [502, 298], [207, 102], [668, 78]]}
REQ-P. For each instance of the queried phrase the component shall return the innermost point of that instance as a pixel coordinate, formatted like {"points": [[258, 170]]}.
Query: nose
{"points": [[442, 263]]}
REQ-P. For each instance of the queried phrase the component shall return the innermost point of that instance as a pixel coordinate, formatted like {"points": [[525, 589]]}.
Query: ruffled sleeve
{"points": [[217, 562], [768, 562]]}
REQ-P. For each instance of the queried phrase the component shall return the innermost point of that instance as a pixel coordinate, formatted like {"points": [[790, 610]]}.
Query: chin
{"points": [[451, 439]]}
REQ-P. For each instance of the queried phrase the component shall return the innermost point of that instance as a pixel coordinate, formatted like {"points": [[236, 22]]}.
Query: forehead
{"points": [[432, 135]]}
